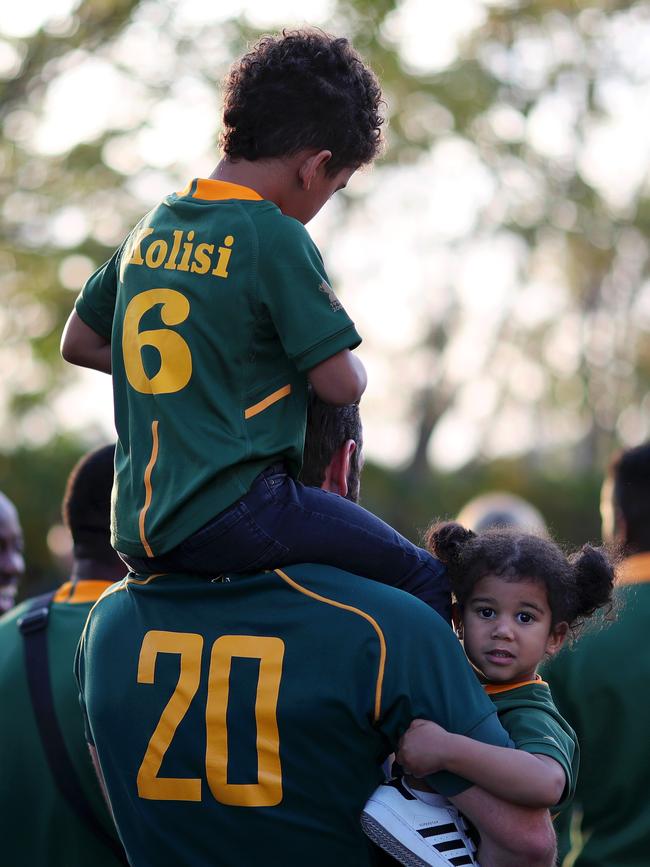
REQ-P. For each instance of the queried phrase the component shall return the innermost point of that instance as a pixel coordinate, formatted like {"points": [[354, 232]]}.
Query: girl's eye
{"points": [[485, 613], [524, 617]]}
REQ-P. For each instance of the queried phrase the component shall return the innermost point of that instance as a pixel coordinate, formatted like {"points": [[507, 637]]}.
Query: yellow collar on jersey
{"points": [[212, 190], [492, 688], [77, 592]]}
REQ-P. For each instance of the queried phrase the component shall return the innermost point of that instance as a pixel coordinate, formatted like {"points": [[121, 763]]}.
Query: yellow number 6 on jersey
{"points": [[175, 357]]}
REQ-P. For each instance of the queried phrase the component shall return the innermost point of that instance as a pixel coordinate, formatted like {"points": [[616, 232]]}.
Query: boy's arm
{"points": [[514, 775], [340, 379], [82, 346]]}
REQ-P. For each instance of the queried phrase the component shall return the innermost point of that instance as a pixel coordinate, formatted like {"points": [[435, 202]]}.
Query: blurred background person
{"points": [[501, 509], [600, 686], [12, 564], [51, 805]]}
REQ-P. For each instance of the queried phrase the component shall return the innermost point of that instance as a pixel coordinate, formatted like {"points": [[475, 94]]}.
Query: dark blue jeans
{"points": [[280, 521]]}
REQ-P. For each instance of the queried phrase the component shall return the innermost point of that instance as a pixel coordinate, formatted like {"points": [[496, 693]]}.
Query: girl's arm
{"points": [[514, 775], [339, 380], [82, 346]]}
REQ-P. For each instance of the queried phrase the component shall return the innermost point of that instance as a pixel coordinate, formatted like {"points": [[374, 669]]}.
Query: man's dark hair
{"points": [[87, 505], [303, 89], [630, 471], [328, 427]]}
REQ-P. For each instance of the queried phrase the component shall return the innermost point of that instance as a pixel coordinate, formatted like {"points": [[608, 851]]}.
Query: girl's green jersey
{"points": [[527, 712]]}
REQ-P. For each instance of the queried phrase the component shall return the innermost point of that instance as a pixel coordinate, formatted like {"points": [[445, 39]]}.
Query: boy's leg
{"points": [[322, 527], [280, 521]]}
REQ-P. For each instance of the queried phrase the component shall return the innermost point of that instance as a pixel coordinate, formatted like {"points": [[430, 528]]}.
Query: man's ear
{"points": [[456, 619], [556, 638], [338, 469], [311, 165]]}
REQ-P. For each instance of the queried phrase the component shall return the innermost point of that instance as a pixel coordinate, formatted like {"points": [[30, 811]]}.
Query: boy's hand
{"points": [[423, 748]]}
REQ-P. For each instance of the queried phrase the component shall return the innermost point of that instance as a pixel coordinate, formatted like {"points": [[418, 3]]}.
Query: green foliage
{"points": [[569, 503]]}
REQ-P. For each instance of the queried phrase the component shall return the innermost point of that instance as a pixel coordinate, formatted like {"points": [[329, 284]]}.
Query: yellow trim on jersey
{"points": [[147, 487], [371, 620], [285, 391], [77, 592], [214, 191], [112, 588], [141, 581], [492, 688], [115, 588], [634, 570], [186, 189]]}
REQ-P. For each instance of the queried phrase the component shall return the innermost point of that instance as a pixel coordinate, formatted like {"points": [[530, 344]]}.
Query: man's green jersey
{"points": [[600, 686], [527, 712], [245, 720], [216, 306], [39, 827]]}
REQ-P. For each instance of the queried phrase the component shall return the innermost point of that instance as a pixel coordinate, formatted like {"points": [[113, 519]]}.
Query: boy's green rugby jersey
{"points": [[527, 712], [244, 722], [216, 306]]}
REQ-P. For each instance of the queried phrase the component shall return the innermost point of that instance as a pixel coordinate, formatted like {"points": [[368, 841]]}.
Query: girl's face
{"points": [[506, 628]]}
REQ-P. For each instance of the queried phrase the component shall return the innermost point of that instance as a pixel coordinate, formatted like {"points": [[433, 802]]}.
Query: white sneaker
{"points": [[417, 833]]}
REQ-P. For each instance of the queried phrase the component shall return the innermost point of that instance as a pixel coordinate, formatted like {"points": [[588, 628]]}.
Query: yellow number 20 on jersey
{"points": [[267, 792]]}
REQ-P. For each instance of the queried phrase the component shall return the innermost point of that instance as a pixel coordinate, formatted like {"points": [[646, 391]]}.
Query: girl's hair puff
{"points": [[577, 585]]}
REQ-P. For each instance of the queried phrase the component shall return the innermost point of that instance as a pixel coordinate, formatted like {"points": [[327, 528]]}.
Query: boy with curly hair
{"points": [[216, 314]]}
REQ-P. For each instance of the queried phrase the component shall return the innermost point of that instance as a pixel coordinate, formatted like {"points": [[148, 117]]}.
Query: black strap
{"points": [[33, 627]]}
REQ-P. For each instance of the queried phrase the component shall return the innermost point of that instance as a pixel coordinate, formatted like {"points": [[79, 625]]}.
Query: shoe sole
{"points": [[379, 835]]}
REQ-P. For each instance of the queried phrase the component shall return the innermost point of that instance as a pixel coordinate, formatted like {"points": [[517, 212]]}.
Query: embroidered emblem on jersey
{"points": [[335, 304]]}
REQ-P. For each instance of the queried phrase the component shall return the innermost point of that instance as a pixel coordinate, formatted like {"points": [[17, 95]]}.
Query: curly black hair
{"points": [[302, 89], [577, 584]]}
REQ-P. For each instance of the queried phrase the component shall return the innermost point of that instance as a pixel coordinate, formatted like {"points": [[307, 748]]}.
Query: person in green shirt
{"points": [[601, 688], [40, 825], [518, 598], [215, 315]]}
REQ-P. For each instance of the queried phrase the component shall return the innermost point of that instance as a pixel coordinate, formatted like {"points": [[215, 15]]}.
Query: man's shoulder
{"points": [[387, 604], [108, 602]]}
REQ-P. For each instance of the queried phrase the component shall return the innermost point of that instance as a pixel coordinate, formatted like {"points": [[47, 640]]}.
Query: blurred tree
{"points": [[537, 107]]}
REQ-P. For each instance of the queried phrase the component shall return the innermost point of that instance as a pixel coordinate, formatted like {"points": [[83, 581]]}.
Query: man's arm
{"points": [[511, 836], [517, 776], [82, 346], [340, 379]]}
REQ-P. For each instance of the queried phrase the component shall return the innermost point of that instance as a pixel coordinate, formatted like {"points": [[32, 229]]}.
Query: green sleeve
{"points": [[96, 302], [538, 732], [295, 290], [429, 677]]}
